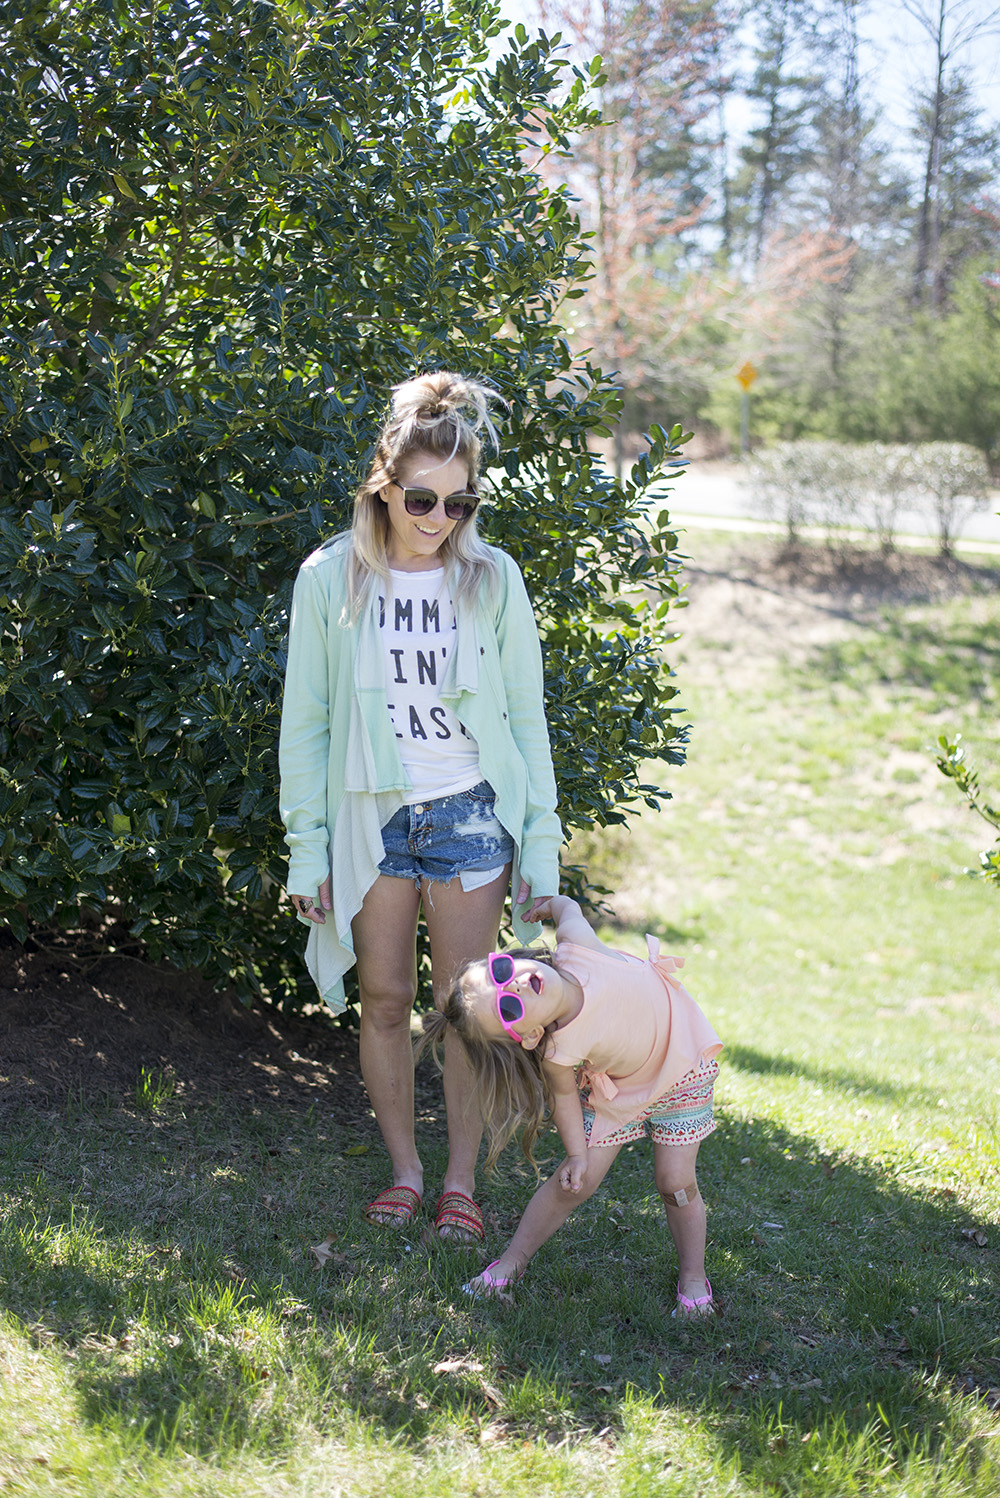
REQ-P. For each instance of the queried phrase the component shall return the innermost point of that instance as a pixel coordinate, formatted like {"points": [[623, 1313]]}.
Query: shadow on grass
{"points": [[854, 1083], [846, 1297], [951, 662]]}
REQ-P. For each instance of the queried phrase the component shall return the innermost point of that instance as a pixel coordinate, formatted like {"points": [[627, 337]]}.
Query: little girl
{"points": [[616, 1048]]}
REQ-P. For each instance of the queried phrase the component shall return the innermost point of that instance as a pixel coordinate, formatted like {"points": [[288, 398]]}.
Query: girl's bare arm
{"points": [[570, 922], [567, 1115]]}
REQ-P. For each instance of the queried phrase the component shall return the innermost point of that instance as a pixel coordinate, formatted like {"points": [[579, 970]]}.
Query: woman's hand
{"points": [[314, 910], [572, 1172], [539, 905]]}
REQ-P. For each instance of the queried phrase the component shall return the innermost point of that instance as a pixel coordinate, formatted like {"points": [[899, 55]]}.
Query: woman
{"points": [[415, 763]]}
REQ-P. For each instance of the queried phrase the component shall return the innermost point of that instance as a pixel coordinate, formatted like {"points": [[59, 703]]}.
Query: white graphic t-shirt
{"points": [[418, 631]]}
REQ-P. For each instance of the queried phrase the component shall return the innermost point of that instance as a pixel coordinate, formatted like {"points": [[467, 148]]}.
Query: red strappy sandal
{"points": [[399, 1204], [456, 1210]]}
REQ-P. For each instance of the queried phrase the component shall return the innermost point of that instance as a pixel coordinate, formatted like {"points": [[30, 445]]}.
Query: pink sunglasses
{"points": [[509, 1006]]}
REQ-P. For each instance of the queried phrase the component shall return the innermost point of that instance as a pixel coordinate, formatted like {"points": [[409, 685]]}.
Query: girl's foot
{"points": [[694, 1300], [492, 1286]]}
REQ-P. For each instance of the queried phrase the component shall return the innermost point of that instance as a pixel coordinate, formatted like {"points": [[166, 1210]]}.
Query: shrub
{"points": [[890, 477], [226, 230], [952, 483], [833, 486], [807, 484]]}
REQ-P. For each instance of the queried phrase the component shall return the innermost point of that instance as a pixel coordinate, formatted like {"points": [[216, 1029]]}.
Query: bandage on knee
{"points": [[681, 1196]]}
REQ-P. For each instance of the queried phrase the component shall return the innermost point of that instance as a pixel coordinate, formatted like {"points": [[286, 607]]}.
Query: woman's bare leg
{"points": [[385, 945], [462, 926]]}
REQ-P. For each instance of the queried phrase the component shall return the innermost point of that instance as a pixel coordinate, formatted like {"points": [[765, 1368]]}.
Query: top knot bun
{"points": [[418, 405]]}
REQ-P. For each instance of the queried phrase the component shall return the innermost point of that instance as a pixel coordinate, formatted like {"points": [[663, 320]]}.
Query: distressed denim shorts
{"points": [[435, 840]]}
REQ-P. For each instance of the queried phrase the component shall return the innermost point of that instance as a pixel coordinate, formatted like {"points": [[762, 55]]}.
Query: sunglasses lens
{"points": [[419, 501], [511, 1007], [502, 969], [460, 507]]}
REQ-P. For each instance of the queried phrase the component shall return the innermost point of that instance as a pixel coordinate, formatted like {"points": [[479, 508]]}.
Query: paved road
{"points": [[710, 493]]}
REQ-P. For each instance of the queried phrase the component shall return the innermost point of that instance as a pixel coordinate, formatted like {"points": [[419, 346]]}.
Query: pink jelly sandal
{"points": [[700, 1306], [491, 1284]]}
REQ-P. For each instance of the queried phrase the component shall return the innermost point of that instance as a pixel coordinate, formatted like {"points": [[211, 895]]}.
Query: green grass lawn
{"points": [[167, 1328]]}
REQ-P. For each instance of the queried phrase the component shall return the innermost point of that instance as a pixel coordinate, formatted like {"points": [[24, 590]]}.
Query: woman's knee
{"points": [[388, 1007]]}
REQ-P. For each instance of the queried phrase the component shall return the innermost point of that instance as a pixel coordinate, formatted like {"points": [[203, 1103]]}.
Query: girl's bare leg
{"points": [[462, 926], [675, 1171], [548, 1209], [385, 945]]}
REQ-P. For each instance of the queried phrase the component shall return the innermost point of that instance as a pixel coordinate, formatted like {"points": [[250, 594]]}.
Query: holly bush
{"points": [[226, 230]]}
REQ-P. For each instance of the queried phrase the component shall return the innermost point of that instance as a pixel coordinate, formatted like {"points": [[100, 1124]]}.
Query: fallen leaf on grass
{"points": [[326, 1254], [357, 1149], [975, 1235], [458, 1365], [604, 1358]]}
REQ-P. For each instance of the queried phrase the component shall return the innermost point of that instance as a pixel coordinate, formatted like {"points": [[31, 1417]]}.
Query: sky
{"points": [[895, 58]]}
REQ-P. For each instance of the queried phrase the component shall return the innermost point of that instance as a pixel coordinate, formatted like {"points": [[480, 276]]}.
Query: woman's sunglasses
{"points": [[422, 501], [509, 1006]]}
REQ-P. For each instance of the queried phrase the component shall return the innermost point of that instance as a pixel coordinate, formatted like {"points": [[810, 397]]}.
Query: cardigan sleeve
{"points": [[521, 669], [304, 740]]}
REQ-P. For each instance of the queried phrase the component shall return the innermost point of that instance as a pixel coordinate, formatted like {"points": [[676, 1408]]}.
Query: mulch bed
{"points": [[86, 1029]]}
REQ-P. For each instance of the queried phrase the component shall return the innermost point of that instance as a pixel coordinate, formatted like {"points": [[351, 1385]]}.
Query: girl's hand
{"points": [[539, 905], [314, 910], [572, 1172]]}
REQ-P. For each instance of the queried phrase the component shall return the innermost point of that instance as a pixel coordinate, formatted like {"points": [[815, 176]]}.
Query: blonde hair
{"points": [[512, 1090], [441, 415]]}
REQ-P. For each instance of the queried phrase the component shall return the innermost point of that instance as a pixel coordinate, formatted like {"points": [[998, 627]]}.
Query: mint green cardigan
{"points": [[342, 777]]}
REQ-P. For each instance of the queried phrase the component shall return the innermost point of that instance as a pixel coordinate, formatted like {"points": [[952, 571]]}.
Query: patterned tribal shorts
{"points": [[681, 1116]]}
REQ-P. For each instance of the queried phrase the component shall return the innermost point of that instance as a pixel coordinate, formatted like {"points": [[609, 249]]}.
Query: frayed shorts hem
{"points": [[469, 879]]}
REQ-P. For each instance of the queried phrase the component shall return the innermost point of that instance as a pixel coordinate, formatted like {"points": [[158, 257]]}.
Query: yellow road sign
{"points": [[746, 374]]}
